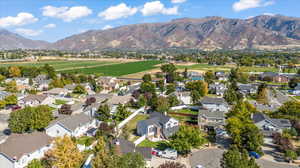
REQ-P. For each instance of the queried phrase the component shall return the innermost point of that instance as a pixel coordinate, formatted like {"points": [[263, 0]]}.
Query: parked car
{"points": [[168, 154], [254, 155], [199, 166]]}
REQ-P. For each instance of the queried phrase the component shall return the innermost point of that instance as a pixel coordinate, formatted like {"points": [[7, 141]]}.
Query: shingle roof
{"points": [[212, 114], [38, 98], [73, 121], [17, 145], [119, 100], [213, 100], [281, 123]]}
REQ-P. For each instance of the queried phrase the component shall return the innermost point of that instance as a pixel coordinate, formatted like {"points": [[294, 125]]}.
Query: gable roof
{"points": [[16, 145], [280, 123], [39, 98], [212, 114], [213, 100], [119, 100]]}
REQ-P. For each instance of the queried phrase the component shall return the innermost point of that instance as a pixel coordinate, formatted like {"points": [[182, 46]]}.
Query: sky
{"points": [[52, 20]]}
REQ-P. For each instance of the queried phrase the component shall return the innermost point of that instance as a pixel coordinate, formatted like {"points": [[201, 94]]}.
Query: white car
{"points": [[199, 166]]}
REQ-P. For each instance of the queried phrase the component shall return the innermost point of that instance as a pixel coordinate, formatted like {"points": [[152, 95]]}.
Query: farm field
{"points": [[61, 65], [118, 69]]}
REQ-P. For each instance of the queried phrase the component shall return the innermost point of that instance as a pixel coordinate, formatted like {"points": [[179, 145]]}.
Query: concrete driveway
{"points": [[209, 158]]}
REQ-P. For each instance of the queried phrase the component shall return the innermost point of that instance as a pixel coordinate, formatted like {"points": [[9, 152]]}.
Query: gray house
{"points": [[214, 104], [247, 89], [158, 126], [208, 118], [270, 125], [4, 94]]}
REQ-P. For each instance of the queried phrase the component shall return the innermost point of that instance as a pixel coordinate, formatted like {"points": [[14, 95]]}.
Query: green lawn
{"points": [[131, 126], [60, 102], [85, 140], [147, 143], [186, 111], [118, 69]]}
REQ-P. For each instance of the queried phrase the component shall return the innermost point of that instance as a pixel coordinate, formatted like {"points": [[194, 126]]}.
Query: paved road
{"points": [[210, 158]]}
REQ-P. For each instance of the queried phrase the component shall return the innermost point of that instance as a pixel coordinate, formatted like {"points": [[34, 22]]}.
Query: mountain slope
{"points": [[206, 33], [14, 41]]}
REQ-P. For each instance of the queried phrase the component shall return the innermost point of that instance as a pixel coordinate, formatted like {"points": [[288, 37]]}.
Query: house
{"points": [[71, 125], [4, 94], [70, 87], [194, 76], [209, 118], [218, 89], [19, 81], [221, 76], [247, 89], [60, 92], [19, 149], [114, 101], [184, 97], [35, 100], [270, 125], [274, 77], [296, 90], [214, 104], [41, 82], [158, 126], [108, 83]]}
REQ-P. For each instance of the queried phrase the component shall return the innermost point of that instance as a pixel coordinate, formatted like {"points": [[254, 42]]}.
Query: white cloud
{"points": [[67, 14], [156, 7], [106, 27], [118, 11], [49, 26], [28, 32], [247, 4], [178, 1], [19, 20]]}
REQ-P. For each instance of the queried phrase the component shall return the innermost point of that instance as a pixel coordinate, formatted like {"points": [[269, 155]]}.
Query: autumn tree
{"points": [[162, 104], [169, 164], [12, 86], [102, 157], [11, 100], [35, 164], [14, 71], [79, 89], [65, 153]]}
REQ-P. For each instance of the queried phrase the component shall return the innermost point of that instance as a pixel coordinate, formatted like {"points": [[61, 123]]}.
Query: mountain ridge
{"points": [[208, 33]]}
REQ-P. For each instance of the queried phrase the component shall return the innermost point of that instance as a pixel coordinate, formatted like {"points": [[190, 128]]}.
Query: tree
{"points": [[57, 83], [233, 158], [173, 101], [162, 104], [142, 101], [169, 164], [199, 86], [11, 100], [29, 119], [89, 101], [79, 89], [186, 138], [65, 153], [2, 78], [122, 113], [131, 160], [102, 157], [170, 70], [12, 86], [289, 110], [290, 155], [14, 71], [103, 113], [2, 104], [294, 82], [161, 85], [65, 109], [170, 89], [35, 164], [147, 87], [209, 77], [195, 95], [147, 78], [262, 94]]}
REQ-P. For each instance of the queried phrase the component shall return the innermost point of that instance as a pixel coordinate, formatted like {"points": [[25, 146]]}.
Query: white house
{"points": [[214, 104], [184, 97], [35, 100], [73, 125], [19, 149], [114, 101], [19, 81], [60, 92]]}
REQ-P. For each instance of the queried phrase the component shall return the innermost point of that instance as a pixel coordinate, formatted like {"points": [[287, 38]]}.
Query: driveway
{"points": [[268, 164], [156, 161], [209, 158]]}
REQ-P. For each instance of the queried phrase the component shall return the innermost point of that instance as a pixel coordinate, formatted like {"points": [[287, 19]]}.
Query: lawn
{"points": [[85, 140], [185, 119], [131, 125], [158, 145], [60, 102], [186, 111], [118, 69]]}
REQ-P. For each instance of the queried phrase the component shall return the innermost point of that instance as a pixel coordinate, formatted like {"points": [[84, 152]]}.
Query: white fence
{"points": [[130, 117], [138, 141], [185, 107]]}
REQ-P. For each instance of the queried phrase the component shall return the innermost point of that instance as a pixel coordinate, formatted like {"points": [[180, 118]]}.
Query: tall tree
{"points": [[12, 86], [35, 164], [103, 113], [102, 157], [14, 71], [147, 78], [122, 113], [79, 89], [65, 153], [131, 160]]}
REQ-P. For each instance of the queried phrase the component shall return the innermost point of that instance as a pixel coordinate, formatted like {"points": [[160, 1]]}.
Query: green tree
{"points": [[233, 158], [142, 101], [161, 85], [173, 101], [195, 95], [12, 86], [79, 89], [289, 110], [147, 87], [2, 78], [102, 157], [131, 160], [209, 77], [35, 164], [172, 165], [103, 113], [187, 138], [170, 89], [122, 113], [147, 78], [29, 119], [11, 100], [162, 104], [57, 83], [290, 155], [14, 71], [2, 104]]}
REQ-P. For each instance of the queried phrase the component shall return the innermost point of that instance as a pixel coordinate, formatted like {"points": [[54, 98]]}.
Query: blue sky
{"points": [[52, 20]]}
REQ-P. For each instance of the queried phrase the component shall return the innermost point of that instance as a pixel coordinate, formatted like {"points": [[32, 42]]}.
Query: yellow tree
{"points": [[14, 71], [103, 158], [65, 153]]}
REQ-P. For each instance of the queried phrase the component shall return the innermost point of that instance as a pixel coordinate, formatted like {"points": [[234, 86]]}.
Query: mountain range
{"points": [[209, 33]]}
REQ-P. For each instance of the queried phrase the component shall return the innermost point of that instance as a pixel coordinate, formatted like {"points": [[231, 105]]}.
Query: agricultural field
{"points": [[61, 65], [118, 69]]}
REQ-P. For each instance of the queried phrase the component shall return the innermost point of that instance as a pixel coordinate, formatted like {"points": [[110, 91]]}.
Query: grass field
{"points": [[61, 65], [118, 69]]}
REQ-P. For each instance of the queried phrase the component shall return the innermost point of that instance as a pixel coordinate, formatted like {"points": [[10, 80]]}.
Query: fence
{"points": [[121, 124], [138, 141]]}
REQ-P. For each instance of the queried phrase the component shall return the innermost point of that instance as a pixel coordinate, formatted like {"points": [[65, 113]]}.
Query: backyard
{"points": [[131, 126]]}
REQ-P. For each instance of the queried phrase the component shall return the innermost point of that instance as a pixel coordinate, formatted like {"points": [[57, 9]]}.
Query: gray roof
{"points": [[39, 98], [280, 123], [70, 86], [212, 114], [119, 100], [17, 145], [101, 97], [213, 100], [73, 121], [247, 87]]}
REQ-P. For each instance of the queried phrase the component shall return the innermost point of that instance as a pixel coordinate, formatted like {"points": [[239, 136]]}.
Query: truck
{"points": [[168, 154]]}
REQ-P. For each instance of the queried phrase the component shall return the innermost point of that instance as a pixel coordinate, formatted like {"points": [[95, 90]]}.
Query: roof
{"points": [[281, 123], [213, 100], [119, 99], [14, 146], [247, 87], [156, 118], [212, 114], [38, 98], [73, 121], [101, 97], [56, 91], [269, 74], [70, 86]]}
